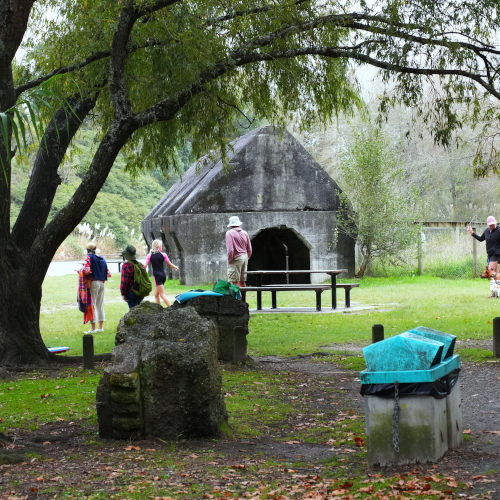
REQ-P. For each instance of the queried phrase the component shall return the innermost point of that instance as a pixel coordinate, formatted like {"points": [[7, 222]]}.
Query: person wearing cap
{"points": [[127, 279], [96, 269], [492, 237], [239, 250]]}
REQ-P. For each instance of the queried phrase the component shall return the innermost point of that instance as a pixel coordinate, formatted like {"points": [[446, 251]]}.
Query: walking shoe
{"points": [[99, 330], [90, 331]]}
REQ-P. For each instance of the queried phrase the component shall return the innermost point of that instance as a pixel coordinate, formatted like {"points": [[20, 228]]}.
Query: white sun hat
{"points": [[234, 220]]}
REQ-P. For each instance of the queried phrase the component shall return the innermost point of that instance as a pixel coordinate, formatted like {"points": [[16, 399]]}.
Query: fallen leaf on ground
{"points": [[359, 441]]}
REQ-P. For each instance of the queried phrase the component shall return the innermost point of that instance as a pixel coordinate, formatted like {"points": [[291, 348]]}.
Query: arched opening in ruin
{"points": [[279, 249]]}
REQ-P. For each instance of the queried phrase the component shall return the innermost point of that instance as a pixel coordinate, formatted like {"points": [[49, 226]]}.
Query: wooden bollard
{"points": [[88, 351], [496, 337], [377, 333], [239, 345]]}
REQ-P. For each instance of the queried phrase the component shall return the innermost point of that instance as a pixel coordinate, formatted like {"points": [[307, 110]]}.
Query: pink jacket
{"points": [[237, 243]]}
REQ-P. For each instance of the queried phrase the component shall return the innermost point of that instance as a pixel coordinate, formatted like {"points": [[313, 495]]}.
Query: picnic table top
{"points": [[290, 286], [298, 271]]}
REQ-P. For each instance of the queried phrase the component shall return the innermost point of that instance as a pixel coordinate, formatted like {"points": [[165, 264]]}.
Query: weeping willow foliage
{"points": [[373, 209], [280, 59]]}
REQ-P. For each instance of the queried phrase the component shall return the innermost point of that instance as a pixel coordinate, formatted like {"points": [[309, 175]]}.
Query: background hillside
{"points": [[115, 217], [442, 177]]}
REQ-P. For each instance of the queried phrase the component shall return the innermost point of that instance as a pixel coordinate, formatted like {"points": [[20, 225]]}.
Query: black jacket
{"points": [[492, 240]]}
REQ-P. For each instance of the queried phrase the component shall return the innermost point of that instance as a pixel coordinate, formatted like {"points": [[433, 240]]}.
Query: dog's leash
{"points": [[470, 222]]}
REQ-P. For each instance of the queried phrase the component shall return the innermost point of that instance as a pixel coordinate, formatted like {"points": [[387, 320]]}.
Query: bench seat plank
{"points": [[318, 288], [347, 288]]}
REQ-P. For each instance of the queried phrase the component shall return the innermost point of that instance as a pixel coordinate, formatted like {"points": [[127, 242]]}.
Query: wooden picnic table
{"points": [[278, 288], [116, 261], [331, 272], [119, 262]]}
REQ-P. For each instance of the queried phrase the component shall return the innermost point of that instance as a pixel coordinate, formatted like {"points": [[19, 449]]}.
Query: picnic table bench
{"points": [[347, 289], [119, 261], [330, 272], [319, 289], [116, 261]]}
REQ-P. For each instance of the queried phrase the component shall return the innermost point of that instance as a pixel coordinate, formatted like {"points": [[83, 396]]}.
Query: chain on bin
{"points": [[395, 418]]}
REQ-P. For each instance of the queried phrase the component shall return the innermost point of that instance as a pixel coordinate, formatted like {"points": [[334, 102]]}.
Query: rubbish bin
{"points": [[412, 398]]}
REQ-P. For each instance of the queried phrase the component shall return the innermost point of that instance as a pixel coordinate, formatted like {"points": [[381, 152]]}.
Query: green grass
{"points": [[477, 355], [38, 398], [459, 307], [251, 402]]}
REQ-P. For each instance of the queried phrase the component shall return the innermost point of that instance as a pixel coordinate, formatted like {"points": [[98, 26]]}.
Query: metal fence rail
{"points": [[444, 248], [443, 244]]}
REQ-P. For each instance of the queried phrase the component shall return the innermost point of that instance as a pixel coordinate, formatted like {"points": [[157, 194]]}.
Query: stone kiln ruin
{"points": [[165, 381], [230, 317], [287, 202]]}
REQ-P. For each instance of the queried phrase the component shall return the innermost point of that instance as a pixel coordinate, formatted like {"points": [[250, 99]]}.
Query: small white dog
{"points": [[494, 283]]}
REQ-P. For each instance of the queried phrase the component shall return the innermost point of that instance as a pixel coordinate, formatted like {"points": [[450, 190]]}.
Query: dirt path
{"points": [[75, 462], [480, 388]]}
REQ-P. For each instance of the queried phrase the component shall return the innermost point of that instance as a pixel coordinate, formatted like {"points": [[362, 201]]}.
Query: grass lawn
{"points": [[276, 410], [459, 307]]}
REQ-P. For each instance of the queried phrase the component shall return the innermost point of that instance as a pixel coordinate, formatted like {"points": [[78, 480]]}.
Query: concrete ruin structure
{"points": [[287, 202], [165, 381]]}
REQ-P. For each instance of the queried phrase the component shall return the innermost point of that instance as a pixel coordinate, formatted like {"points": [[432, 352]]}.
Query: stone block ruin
{"points": [[165, 381], [230, 317]]}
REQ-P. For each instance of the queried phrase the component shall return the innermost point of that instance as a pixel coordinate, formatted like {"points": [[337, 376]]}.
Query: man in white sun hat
{"points": [[239, 250], [492, 236]]}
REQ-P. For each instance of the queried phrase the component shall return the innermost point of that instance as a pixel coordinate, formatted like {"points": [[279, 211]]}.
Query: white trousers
{"points": [[97, 293]]}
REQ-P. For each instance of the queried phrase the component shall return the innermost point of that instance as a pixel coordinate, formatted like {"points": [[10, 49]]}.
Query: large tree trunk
{"points": [[20, 339], [24, 263], [20, 288]]}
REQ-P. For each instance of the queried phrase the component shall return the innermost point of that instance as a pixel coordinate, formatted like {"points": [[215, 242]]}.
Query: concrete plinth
{"points": [[454, 417], [423, 430]]}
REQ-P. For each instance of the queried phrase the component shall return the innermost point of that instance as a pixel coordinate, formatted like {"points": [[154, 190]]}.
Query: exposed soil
{"points": [[76, 461]]}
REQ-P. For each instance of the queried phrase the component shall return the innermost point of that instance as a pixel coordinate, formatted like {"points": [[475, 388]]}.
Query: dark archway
{"points": [[276, 249]]}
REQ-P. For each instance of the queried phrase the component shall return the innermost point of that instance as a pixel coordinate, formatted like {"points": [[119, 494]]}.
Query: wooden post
{"points": [[419, 255], [377, 333], [88, 351], [474, 255], [496, 337], [239, 345]]}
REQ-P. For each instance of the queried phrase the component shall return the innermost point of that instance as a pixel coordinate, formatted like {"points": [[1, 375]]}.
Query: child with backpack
{"points": [[157, 258], [135, 282]]}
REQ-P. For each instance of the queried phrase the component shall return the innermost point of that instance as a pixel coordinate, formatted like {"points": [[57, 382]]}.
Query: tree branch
{"points": [[82, 64], [44, 178], [128, 16], [381, 26], [62, 70], [74, 211], [242, 13]]}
